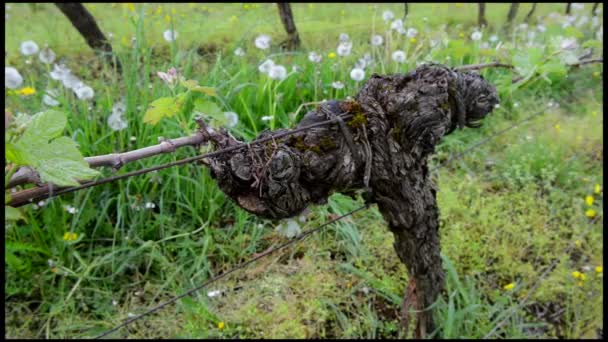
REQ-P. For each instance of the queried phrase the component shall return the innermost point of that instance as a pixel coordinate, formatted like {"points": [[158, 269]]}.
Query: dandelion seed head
{"points": [[46, 55], [84, 92], [398, 56], [357, 74], [344, 37], [337, 85], [239, 52], [266, 66], [476, 36], [50, 98], [170, 35], [344, 48], [231, 119], [28, 48], [314, 57], [388, 15], [377, 40], [12, 78], [262, 41], [397, 24], [277, 72], [411, 32]]}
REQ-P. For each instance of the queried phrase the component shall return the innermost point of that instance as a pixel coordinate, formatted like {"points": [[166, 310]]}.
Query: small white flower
{"points": [[214, 293], [493, 38], [397, 24], [70, 209], [12, 78], [50, 98], [114, 302], [28, 48], [357, 74], [262, 41], [411, 32], [516, 104], [388, 15], [398, 56], [266, 118], [150, 205], [337, 85], [541, 28], [568, 44], [277, 72], [41, 203], [84, 92], [344, 49], [46, 55], [170, 35], [476, 36], [266, 66], [376, 40], [239, 52], [231, 119], [344, 37], [314, 57]]}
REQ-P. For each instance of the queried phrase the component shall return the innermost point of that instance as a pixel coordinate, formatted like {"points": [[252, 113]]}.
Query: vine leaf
{"points": [[161, 108], [56, 159]]}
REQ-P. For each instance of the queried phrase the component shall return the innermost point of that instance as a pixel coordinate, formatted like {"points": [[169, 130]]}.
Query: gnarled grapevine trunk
{"points": [[395, 122]]}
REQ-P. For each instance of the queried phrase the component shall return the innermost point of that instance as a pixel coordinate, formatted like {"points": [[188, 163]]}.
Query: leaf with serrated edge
{"points": [[45, 126], [160, 108]]}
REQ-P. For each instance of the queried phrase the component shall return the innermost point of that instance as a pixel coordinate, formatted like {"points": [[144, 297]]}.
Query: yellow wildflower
{"points": [[558, 128], [68, 236], [130, 6], [413, 40], [597, 189], [461, 35], [599, 269], [221, 325], [509, 286], [26, 91], [246, 6], [578, 275], [159, 10], [589, 200], [332, 55], [167, 18], [577, 243], [590, 213]]}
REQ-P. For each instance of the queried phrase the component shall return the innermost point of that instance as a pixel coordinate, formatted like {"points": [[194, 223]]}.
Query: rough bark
{"points": [[84, 22], [293, 38], [512, 12], [405, 11], [529, 15], [396, 122], [568, 8], [481, 17]]}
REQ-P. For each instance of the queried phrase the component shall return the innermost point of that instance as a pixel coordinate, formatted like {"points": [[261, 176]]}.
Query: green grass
{"points": [[508, 208]]}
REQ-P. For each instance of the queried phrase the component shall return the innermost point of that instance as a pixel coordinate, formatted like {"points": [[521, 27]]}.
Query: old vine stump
{"points": [[396, 121]]}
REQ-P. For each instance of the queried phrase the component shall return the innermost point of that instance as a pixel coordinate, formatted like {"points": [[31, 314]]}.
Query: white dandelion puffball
{"points": [[344, 48], [46, 55], [398, 56], [59, 72], [239, 52], [377, 40], [401, 30], [119, 109], [231, 119], [84, 92], [277, 72], [28, 48], [344, 37], [388, 15], [262, 41], [266, 66], [12, 78], [493, 38], [361, 63], [476, 36], [337, 85], [170, 35], [357, 74], [117, 122], [411, 32], [71, 82], [397, 24], [50, 98], [314, 57]]}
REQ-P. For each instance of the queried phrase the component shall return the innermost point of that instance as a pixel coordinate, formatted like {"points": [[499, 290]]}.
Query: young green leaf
{"points": [[12, 214], [160, 108]]}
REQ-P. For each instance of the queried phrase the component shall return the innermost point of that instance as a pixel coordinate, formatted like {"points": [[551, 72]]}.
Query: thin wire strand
{"points": [[220, 276]]}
